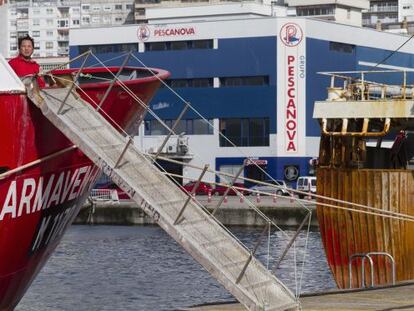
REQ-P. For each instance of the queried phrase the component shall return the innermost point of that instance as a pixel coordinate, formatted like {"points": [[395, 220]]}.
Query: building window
{"points": [[341, 47], [13, 46], [49, 22], [36, 22], [76, 10], [35, 33], [37, 45], [106, 19], [22, 34], [140, 12], [244, 81], [189, 127], [156, 46], [107, 8], [179, 45], [75, 22], [13, 35], [129, 7], [96, 19], [63, 23], [195, 82], [85, 7], [317, 10], [13, 23], [86, 20], [248, 132], [147, 1], [118, 6], [49, 11], [49, 45], [118, 19], [36, 11], [49, 33], [109, 48], [96, 8]]}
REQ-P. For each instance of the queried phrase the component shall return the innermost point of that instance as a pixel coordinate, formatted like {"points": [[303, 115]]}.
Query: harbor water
{"points": [[142, 268]]}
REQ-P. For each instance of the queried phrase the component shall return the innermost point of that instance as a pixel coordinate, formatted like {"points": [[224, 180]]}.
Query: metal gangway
{"points": [[199, 233]]}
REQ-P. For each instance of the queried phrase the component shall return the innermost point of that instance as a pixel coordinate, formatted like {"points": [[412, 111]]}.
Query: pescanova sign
{"points": [[144, 33], [291, 91]]}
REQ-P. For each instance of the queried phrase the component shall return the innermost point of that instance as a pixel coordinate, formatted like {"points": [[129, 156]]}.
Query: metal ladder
{"points": [[201, 236]]}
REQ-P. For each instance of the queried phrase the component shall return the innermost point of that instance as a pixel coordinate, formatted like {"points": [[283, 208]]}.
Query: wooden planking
{"points": [[345, 233], [350, 243]]}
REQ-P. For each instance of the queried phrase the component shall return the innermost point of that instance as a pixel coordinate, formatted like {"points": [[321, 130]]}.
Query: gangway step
{"points": [[214, 243], [235, 264], [260, 284], [161, 199]]}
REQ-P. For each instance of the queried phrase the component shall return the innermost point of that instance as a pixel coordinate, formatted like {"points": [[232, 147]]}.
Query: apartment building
{"points": [[380, 14], [342, 11], [49, 21]]}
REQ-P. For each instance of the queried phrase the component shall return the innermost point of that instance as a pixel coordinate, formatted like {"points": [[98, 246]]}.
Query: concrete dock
{"points": [[399, 297], [233, 212]]}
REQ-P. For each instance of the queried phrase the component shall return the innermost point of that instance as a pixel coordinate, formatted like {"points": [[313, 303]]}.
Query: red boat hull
{"points": [[39, 202]]}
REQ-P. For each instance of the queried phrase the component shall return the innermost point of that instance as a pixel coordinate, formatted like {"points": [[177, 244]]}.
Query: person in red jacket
{"points": [[23, 64]]}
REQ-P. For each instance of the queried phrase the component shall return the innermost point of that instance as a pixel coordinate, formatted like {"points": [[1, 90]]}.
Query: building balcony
{"points": [[22, 24], [63, 38], [383, 9], [63, 50], [63, 23], [20, 4], [67, 3]]}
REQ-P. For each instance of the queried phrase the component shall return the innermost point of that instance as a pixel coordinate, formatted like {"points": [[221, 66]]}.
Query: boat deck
{"points": [[398, 297]]}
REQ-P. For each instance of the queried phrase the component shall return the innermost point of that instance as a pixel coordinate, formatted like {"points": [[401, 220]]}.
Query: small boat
{"points": [[44, 178], [365, 203]]}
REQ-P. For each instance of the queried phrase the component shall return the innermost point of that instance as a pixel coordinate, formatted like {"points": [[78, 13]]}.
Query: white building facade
{"points": [[48, 22], [255, 80]]}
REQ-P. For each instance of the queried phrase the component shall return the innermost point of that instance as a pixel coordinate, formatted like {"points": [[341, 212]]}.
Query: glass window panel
{"points": [[210, 126], [202, 44], [179, 45], [147, 127], [190, 129], [200, 127], [179, 83], [156, 46], [202, 82], [181, 127], [157, 128]]}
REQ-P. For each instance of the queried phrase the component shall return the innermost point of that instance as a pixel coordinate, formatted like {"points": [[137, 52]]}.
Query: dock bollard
{"points": [[241, 198], [225, 199], [274, 199], [258, 197], [209, 196]]}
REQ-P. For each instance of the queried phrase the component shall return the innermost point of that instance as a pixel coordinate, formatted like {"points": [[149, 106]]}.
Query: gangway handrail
{"points": [[392, 262], [356, 256], [368, 256]]}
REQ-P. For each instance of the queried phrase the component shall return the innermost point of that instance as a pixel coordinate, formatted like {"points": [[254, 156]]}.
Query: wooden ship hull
{"points": [[365, 203], [345, 233]]}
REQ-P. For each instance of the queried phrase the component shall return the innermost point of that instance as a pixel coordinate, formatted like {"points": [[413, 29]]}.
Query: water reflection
{"points": [[141, 268]]}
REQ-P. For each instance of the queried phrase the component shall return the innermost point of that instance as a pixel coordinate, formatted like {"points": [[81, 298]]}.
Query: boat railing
{"points": [[355, 85], [109, 195], [368, 256]]}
